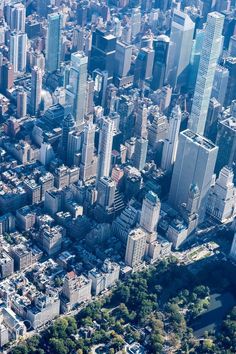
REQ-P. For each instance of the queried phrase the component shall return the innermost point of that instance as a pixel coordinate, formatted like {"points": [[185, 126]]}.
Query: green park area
{"points": [[157, 308]]}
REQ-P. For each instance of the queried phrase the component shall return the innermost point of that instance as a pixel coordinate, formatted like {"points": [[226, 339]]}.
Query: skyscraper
{"points": [[171, 143], [21, 103], [144, 64], [222, 200], [103, 52], [158, 130], [123, 59], [140, 153], [150, 212], [232, 46], [68, 125], [37, 59], [106, 192], [18, 50], [211, 48], [213, 114], [226, 140], [141, 121], [100, 86], [195, 59], [181, 37], [36, 90], [194, 165], [74, 146], [53, 42], [230, 64], [76, 90], [81, 14], [7, 76], [160, 46], [220, 84], [88, 160], [126, 34], [105, 149], [17, 17], [208, 6], [136, 18], [89, 96]]}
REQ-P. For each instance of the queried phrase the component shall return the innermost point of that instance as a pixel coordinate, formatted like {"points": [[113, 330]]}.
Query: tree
{"points": [[201, 291], [122, 294], [124, 312], [72, 326], [87, 321], [117, 341], [158, 289], [233, 314], [58, 346], [20, 349], [70, 345], [136, 335], [207, 344], [146, 309], [118, 327], [33, 343], [58, 281], [59, 328]]}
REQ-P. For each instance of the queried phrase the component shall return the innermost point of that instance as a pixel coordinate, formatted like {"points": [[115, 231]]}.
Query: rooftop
{"points": [[199, 139], [230, 123]]}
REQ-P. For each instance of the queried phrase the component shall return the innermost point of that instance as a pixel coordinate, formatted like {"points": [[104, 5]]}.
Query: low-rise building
{"points": [[14, 325], [33, 191], [76, 289], [158, 249], [11, 197], [104, 279], [22, 256], [222, 198], [50, 239], [45, 309], [177, 232], [7, 223], [6, 265], [4, 335], [25, 218]]}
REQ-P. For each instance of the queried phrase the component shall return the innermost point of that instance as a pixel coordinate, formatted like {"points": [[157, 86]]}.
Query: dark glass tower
{"points": [[160, 46], [103, 52]]}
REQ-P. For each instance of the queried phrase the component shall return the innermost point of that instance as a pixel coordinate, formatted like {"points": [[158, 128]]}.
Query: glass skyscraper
{"points": [[226, 140], [53, 44], [211, 49], [76, 91], [181, 37], [103, 52], [160, 45]]}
